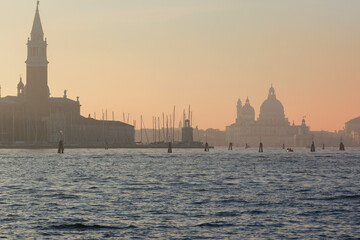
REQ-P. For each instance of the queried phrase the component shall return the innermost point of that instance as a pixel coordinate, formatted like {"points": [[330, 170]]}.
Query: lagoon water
{"points": [[190, 194]]}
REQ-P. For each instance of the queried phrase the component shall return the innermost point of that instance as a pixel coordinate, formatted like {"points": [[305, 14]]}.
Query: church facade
{"points": [[352, 130], [34, 118], [272, 128]]}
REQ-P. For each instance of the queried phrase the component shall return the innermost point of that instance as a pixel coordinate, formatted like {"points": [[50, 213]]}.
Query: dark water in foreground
{"points": [[190, 194]]}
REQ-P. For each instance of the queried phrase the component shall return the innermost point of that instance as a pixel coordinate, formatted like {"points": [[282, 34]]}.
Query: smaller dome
{"points": [[247, 111]]}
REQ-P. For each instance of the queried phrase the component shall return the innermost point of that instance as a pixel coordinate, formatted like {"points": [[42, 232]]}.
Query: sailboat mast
{"points": [[159, 129], [167, 128], [173, 126], [170, 132], [163, 128], [155, 128], [184, 118], [141, 123]]}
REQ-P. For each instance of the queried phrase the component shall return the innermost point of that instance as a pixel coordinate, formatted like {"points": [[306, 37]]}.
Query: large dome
{"points": [[271, 108]]}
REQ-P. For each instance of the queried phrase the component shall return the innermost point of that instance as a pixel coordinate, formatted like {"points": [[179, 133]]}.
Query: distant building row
{"points": [[274, 130]]}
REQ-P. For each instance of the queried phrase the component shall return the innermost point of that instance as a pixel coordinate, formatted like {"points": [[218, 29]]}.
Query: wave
{"points": [[81, 226], [334, 198], [343, 197], [255, 212], [231, 200], [227, 214], [215, 224]]}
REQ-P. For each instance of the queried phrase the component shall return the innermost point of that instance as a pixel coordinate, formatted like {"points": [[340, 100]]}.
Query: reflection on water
{"points": [[190, 194]]}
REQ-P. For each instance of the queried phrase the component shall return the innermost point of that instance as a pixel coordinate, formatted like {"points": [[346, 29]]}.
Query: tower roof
{"points": [[37, 32], [20, 84], [239, 103]]}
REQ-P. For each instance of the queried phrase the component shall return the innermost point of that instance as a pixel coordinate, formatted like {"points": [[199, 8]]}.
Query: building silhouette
{"points": [[272, 127], [34, 118], [352, 130], [187, 135]]}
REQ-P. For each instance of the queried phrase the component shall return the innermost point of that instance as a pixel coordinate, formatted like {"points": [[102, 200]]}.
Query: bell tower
{"points": [[36, 90], [238, 111], [20, 88]]}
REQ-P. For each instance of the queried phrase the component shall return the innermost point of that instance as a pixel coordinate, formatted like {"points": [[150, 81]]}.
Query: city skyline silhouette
{"points": [[188, 119], [149, 57]]}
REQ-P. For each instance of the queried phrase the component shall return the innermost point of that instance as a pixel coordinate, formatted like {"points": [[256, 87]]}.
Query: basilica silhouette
{"points": [[272, 127]]}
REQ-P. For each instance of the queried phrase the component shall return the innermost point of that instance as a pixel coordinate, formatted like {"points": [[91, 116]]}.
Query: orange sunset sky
{"points": [[144, 57]]}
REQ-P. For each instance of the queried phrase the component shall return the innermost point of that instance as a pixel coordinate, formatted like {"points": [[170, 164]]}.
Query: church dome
{"points": [[247, 112], [271, 107], [247, 109]]}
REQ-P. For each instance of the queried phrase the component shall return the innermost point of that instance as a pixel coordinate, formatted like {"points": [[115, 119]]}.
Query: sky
{"points": [[142, 57]]}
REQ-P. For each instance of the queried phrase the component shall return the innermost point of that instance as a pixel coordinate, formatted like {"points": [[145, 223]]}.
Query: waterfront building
{"points": [[34, 118], [352, 130], [187, 137]]}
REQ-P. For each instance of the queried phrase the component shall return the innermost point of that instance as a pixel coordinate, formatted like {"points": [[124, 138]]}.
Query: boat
{"points": [[289, 150]]}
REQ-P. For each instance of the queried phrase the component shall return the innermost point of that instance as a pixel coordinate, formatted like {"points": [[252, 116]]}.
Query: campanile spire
{"points": [[37, 32], [37, 90]]}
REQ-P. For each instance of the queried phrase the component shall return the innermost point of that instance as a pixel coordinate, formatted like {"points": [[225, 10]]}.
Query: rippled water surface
{"points": [[190, 194]]}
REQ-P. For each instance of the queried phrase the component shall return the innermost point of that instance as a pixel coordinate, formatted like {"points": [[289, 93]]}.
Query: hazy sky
{"points": [[143, 57]]}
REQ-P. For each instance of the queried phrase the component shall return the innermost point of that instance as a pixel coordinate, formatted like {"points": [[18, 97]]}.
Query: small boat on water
{"points": [[289, 150]]}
